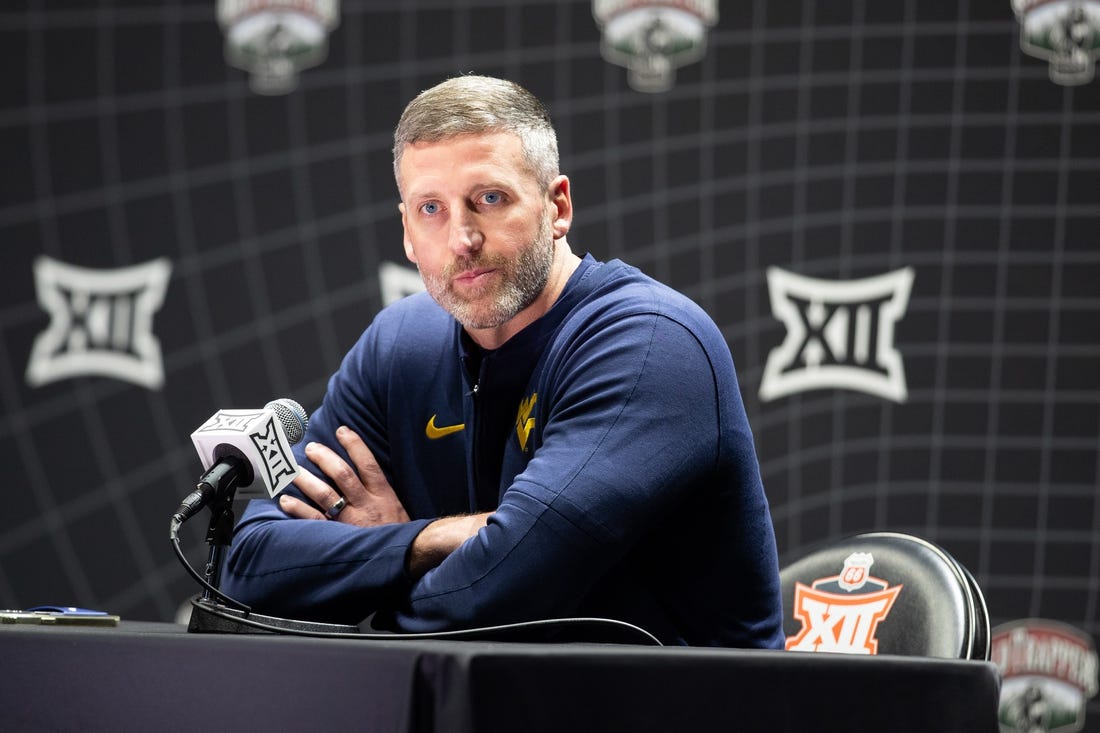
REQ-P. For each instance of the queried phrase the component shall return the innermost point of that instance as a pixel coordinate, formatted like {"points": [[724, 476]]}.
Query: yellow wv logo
{"points": [[435, 433], [524, 422]]}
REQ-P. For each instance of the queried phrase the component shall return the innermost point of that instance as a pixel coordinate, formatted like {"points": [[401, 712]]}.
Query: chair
{"points": [[884, 593]]}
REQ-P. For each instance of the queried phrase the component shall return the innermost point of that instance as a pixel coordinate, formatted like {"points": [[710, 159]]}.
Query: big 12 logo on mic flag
{"points": [[258, 437]]}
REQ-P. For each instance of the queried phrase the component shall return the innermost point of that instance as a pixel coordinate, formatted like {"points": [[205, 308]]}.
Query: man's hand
{"points": [[439, 539], [369, 496]]}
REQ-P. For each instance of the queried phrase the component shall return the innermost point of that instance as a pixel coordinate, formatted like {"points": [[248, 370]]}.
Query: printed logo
{"points": [[1065, 33], [275, 39], [256, 435], [843, 622], [524, 422], [101, 322], [652, 38], [236, 420], [397, 282], [855, 573], [276, 457], [1048, 673], [435, 433], [840, 334]]}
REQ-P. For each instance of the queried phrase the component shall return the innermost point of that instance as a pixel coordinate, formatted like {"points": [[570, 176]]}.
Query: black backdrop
{"points": [[832, 140]]}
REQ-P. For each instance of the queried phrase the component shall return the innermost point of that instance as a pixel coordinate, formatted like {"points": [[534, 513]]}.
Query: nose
{"points": [[465, 236]]}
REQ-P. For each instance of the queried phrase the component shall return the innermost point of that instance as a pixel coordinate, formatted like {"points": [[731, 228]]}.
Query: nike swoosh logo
{"points": [[435, 433]]}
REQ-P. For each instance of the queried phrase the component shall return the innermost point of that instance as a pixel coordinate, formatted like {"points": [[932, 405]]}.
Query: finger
{"points": [[316, 490], [298, 509], [338, 470], [370, 473]]}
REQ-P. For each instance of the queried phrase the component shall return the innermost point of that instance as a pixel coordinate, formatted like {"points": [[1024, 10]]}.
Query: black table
{"points": [[158, 677]]}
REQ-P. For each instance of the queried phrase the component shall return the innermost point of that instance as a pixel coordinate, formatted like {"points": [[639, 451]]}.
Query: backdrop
{"points": [[890, 208]]}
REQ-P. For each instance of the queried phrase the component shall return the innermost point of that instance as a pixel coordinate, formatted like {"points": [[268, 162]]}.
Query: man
{"points": [[538, 436]]}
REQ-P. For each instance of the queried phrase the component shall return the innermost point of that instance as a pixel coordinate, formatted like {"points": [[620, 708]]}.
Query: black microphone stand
{"points": [[219, 533], [217, 489]]}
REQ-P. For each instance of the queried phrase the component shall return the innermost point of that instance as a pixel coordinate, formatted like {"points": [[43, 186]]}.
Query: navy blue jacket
{"points": [[610, 440]]}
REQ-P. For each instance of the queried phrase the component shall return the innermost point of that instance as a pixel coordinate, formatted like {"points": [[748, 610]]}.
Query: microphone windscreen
{"points": [[291, 416]]}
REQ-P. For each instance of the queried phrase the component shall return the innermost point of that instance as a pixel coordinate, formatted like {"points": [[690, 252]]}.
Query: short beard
{"points": [[523, 281]]}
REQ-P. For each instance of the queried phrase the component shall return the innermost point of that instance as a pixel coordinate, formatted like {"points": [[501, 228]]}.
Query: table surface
{"points": [[157, 676]]}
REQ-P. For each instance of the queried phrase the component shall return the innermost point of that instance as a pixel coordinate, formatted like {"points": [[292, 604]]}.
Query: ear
{"points": [[405, 228], [561, 197]]}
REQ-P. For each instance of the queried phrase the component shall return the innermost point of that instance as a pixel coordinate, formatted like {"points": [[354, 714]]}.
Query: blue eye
{"points": [[430, 208], [492, 197]]}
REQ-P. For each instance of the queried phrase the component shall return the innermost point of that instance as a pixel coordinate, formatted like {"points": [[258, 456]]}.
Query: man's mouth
{"points": [[474, 276]]}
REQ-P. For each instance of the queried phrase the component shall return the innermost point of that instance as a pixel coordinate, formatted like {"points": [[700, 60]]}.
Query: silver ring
{"points": [[336, 508]]}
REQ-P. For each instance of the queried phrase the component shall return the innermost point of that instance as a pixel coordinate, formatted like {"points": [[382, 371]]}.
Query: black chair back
{"points": [[884, 593]]}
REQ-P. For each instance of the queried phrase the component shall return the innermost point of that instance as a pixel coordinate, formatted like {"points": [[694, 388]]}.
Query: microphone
{"points": [[246, 450]]}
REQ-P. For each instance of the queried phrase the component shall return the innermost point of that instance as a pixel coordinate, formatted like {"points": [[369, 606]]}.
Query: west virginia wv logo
{"points": [[843, 622], [524, 422]]}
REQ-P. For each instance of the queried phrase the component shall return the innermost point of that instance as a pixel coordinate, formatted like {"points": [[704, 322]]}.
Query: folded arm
{"points": [[369, 501], [626, 438], [296, 560]]}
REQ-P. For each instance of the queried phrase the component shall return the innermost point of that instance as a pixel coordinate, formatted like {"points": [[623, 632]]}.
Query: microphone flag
{"points": [[256, 436]]}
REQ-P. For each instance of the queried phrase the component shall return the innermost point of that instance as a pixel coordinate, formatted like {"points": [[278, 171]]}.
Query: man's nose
{"points": [[466, 235]]}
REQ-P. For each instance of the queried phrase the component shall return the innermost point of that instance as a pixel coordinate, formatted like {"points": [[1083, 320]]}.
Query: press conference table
{"points": [[143, 676]]}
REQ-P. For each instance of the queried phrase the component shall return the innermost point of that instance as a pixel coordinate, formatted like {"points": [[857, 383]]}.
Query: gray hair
{"points": [[469, 105]]}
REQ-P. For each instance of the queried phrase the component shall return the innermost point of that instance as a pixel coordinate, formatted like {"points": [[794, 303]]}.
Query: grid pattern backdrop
{"points": [[833, 140]]}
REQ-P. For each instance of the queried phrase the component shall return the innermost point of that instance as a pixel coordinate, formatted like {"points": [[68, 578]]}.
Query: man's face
{"points": [[477, 226]]}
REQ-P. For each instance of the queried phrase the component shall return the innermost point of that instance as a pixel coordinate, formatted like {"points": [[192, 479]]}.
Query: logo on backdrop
{"points": [[275, 39], [1048, 673], [101, 322], [1065, 33], [842, 612], [840, 334], [652, 38]]}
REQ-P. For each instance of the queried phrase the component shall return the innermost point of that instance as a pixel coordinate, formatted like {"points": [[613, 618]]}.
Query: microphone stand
{"points": [[217, 488], [219, 535]]}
